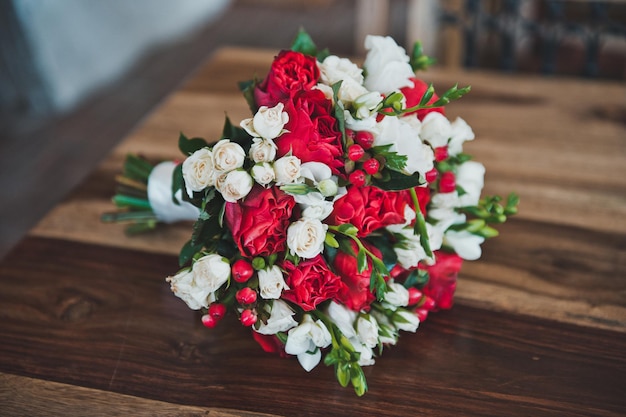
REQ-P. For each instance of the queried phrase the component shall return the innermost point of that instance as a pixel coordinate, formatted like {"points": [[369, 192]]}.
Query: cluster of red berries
{"points": [[361, 162], [241, 272]]}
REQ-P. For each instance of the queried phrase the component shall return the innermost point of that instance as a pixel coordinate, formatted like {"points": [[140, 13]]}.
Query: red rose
{"points": [[414, 96], [442, 279], [270, 343], [312, 133], [370, 208], [290, 72], [356, 294], [310, 283], [259, 222]]}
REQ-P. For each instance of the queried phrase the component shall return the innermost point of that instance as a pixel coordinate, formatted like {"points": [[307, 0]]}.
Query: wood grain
{"points": [[554, 141], [103, 318]]}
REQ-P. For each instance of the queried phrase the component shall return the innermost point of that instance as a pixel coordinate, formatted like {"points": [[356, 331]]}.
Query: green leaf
{"points": [[304, 43], [247, 88], [331, 241], [397, 181], [361, 260], [187, 252], [339, 115], [430, 91], [417, 278], [189, 146], [419, 61], [393, 160], [177, 182]]}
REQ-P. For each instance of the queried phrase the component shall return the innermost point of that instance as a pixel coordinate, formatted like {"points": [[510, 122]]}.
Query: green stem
{"points": [[420, 225]]}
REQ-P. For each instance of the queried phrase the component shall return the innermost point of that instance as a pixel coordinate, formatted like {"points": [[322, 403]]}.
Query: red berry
{"points": [[248, 317], [246, 296], [371, 166], [432, 175], [414, 296], [441, 153], [428, 303], [421, 314], [217, 311], [209, 321], [357, 178], [364, 138], [447, 183], [355, 152], [242, 270]]}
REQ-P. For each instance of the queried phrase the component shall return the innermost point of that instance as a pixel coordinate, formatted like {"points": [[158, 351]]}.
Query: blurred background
{"points": [[77, 75]]}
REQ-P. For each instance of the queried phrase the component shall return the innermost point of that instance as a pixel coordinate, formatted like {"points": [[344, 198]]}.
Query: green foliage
{"points": [[304, 43], [392, 160], [189, 146], [396, 181], [419, 61]]}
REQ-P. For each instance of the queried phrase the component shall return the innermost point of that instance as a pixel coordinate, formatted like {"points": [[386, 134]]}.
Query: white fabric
{"points": [[160, 196]]}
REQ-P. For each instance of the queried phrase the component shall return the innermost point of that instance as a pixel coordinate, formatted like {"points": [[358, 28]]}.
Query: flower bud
{"points": [[248, 317], [246, 296], [328, 188]]}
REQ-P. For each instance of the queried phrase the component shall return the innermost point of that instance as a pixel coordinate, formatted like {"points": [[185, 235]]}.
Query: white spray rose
{"points": [[271, 282], [464, 243], [267, 123], [287, 169], [263, 150], [183, 286], [263, 173], [367, 330], [211, 271], [234, 185], [199, 170], [228, 155], [461, 132], [305, 341], [405, 320], [436, 129], [305, 237], [281, 318], [387, 65]]}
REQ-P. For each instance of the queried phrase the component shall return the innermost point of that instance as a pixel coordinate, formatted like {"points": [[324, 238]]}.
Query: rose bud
{"points": [[357, 178], [371, 166], [245, 296], [355, 152], [242, 270], [248, 317]]}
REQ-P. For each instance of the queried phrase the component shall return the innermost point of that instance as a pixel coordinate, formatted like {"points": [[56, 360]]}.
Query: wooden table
{"points": [[90, 327]]}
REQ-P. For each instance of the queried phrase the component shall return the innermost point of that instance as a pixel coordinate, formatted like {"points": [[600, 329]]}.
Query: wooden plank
{"points": [[21, 396], [103, 318]]}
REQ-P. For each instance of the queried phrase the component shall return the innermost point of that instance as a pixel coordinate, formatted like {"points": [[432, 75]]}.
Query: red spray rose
{"points": [[442, 279], [290, 72], [414, 96], [259, 222], [312, 132], [356, 294], [370, 208], [310, 283]]}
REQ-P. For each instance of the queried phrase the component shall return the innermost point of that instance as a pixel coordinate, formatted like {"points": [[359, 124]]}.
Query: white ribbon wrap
{"points": [[160, 196]]}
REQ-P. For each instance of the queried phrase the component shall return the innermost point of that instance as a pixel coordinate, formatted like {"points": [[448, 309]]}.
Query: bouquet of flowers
{"points": [[335, 217]]}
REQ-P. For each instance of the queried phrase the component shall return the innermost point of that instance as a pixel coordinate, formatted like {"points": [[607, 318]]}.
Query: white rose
{"points": [[403, 136], [271, 283], [461, 132], [228, 155], [305, 237], [280, 320], [211, 272], [436, 129], [199, 170], [267, 123], [405, 320], [287, 169], [470, 176], [367, 330], [343, 318], [263, 173], [263, 150], [396, 295], [183, 286], [387, 65], [234, 185], [464, 243]]}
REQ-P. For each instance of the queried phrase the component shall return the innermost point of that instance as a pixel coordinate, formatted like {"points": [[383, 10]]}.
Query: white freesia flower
{"points": [[410, 251], [366, 357], [405, 320], [403, 136], [464, 243], [334, 69], [305, 341], [436, 129], [388, 334], [357, 124], [343, 318], [387, 65], [287, 169], [263, 150], [396, 294], [234, 185], [470, 176], [199, 170], [268, 122], [280, 320], [461, 132], [367, 330], [263, 173], [271, 282], [365, 104], [305, 237], [228, 155]]}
